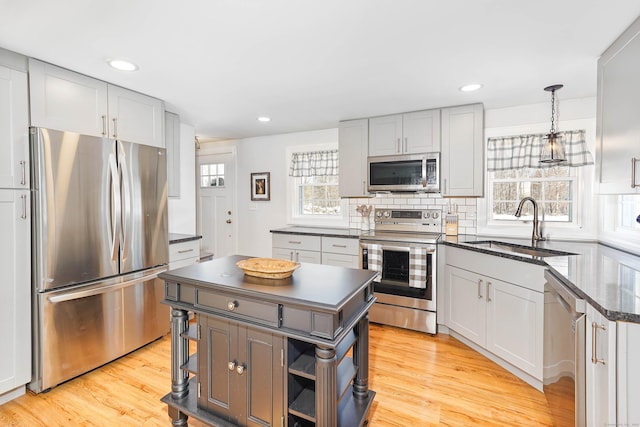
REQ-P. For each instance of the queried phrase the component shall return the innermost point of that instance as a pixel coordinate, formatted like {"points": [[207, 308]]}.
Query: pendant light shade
{"points": [[553, 149]]}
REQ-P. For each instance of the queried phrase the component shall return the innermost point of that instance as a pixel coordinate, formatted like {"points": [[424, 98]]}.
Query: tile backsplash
{"points": [[467, 209]]}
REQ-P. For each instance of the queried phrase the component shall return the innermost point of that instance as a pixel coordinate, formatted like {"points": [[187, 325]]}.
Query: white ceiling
{"points": [[311, 63]]}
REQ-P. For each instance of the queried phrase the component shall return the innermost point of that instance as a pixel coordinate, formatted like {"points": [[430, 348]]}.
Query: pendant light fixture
{"points": [[553, 148]]}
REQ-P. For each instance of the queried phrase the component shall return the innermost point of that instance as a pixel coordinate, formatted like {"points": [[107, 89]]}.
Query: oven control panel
{"points": [[424, 220]]}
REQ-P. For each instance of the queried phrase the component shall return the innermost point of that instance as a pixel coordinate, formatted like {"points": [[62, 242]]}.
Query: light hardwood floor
{"points": [[420, 380]]}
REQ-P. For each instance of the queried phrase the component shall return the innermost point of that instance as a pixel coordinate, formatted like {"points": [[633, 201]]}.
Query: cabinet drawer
{"points": [[184, 250], [266, 312], [340, 260], [340, 245], [296, 241]]}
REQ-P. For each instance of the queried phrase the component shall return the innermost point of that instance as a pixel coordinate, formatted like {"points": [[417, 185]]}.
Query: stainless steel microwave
{"points": [[409, 172]]}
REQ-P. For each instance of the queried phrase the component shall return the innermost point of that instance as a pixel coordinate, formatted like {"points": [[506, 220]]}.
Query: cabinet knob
{"points": [[231, 305], [228, 221], [232, 366], [240, 369]]}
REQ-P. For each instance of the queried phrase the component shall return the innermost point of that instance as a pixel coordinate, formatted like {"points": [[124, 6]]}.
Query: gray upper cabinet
{"points": [[172, 142], [353, 140], [408, 133], [64, 100], [618, 127], [462, 155]]}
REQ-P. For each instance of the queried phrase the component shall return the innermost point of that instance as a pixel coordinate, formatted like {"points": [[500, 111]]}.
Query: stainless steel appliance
{"points": [[564, 354], [410, 172], [403, 249], [99, 240]]}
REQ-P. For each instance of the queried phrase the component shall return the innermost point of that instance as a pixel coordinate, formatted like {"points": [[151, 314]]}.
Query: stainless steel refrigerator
{"points": [[99, 240]]}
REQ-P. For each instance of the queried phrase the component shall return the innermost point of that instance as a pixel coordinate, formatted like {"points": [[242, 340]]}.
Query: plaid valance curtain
{"points": [[314, 163], [523, 151]]}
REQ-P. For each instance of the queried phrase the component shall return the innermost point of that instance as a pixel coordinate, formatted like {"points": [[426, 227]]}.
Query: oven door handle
{"points": [[396, 248]]}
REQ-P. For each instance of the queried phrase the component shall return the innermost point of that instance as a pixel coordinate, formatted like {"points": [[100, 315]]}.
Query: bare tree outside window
{"points": [[553, 189]]}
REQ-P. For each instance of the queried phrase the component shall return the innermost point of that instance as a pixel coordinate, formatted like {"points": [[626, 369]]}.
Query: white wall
{"points": [[182, 210], [267, 154]]}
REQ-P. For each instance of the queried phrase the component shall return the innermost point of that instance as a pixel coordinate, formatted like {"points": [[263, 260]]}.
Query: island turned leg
{"points": [[361, 359], [326, 385], [179, 356]]}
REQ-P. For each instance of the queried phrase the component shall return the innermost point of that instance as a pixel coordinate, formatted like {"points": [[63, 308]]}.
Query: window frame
{"points": [[293, 217], [583, 227]]}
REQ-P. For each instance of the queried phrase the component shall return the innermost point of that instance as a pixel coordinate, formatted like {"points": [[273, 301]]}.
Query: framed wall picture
{"points": [[260, 186]]}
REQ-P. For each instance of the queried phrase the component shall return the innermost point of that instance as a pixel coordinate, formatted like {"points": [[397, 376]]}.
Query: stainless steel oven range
{"points": [[403, 249]]}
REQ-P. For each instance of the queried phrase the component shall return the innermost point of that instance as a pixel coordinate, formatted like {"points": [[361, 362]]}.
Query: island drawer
{"points": [[266, 312]]}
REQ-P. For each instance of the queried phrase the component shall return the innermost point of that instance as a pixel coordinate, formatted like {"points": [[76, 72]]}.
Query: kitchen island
{"points": [[271, 352]]}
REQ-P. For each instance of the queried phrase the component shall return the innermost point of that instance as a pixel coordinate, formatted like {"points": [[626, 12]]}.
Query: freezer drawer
{"points": [[81, 329]]}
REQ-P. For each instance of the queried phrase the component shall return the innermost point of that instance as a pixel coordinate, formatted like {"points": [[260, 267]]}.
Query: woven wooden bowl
{"points": [[268, 268]]}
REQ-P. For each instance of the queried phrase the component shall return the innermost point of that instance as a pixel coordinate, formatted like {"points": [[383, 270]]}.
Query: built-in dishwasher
{"points": [[564, 353]]}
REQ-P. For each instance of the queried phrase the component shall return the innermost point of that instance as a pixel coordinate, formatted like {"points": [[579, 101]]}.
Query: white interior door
{"points": [[216, 218]]}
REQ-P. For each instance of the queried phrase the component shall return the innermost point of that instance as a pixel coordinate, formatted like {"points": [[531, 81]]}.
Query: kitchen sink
{"points": [[518, 249]]}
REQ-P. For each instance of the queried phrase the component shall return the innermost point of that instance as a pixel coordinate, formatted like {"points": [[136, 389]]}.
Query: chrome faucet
{"points": [[535, 236]]}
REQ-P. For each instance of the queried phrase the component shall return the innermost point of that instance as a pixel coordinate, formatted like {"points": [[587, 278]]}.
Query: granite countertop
{"points": [[607, 278], [179, 238], [353, 233]]}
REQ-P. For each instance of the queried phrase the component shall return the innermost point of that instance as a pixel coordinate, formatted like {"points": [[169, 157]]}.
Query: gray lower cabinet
{"points": [[243, 370]]}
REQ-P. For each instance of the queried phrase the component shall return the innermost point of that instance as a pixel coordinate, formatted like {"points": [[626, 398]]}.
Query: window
{"points": [[212, 175], [313, 194], [317, 195], [553, 189], [515, 172], [629, 212]]}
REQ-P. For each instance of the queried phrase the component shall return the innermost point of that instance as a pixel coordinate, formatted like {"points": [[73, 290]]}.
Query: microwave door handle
{"points": [[424, 172]]}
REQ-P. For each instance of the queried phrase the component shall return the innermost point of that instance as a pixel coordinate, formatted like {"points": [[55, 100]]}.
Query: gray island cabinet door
{"points": [[245, 380]]}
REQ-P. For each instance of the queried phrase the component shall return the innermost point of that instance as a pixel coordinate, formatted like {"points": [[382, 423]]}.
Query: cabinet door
{"points": [[353, 148], [172, 142], [307, 256], [135, 117], [618, 129], [385, 135], [282, 253], [515, 322], [466, 307], [421, 132], [244, 372], [601, 369], [14, 129], [260, 355], [628, 371], [216, 350], [15, 292], [67, 101], [462, 155]]}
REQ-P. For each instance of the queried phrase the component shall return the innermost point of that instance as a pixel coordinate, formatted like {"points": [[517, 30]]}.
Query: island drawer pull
{"points": [[231, 305], [185, 251]]}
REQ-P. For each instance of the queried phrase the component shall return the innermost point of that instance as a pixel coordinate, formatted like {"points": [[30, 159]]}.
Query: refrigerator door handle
{"points": [[102, 289], [116, 199], [126, 202]]}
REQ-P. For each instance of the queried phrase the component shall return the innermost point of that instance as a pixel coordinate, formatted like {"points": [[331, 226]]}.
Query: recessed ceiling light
{"points": [[264, 119], [470, 87], [122, 65]]}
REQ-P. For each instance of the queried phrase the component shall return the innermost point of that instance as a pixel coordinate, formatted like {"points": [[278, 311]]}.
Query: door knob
{"points": [[228, 212], [228, 221], [240, 369], [232, 366]]}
